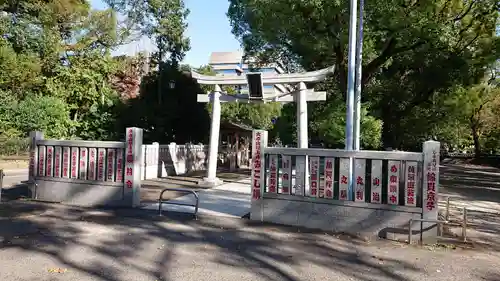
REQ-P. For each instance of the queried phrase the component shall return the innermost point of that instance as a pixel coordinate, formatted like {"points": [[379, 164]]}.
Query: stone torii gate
{"points": [[256, 81]]}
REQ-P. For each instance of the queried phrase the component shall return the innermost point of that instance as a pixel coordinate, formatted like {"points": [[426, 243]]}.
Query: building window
{"points": [[224, 64], [226, 71]]}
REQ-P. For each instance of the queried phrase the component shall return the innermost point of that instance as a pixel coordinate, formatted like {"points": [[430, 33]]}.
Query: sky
{"points": [[208, 29]]}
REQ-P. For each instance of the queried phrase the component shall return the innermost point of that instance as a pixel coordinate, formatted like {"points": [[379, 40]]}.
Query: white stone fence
{"points": [[161, 160], [86, 173], [377, 195]]}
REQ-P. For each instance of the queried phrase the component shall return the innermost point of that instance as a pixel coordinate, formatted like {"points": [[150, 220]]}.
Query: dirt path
{"points": [[476, 188]]}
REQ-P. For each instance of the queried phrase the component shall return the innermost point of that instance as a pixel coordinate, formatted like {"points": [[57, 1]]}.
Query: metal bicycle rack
{"points": [[161, 201], [441, 223]]}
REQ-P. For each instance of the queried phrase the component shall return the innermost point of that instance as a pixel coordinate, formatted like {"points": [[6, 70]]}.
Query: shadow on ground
{"points": [[15, 192], [485, 161], [104, 245], [474, 182]]}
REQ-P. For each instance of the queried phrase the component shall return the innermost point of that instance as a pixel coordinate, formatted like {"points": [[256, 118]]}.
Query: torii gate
{"points": [[256, 81]]}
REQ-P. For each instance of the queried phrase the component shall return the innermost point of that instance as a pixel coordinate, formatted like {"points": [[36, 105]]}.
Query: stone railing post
{"points": [[430, 190], [259, 143], [133, 158], [33, 165]]}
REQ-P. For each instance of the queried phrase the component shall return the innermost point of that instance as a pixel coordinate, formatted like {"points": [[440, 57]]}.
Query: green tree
{"points": [[47, 114], [413, 50], [58, 52], [476, 108], [165, 21], [84, 85]]}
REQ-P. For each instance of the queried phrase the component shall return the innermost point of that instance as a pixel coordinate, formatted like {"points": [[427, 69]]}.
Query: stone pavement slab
{"points": [[230, 199]]}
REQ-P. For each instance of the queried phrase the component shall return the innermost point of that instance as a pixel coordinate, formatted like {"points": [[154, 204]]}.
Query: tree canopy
{"points": [[429, 70], [415, 54], [57, 73]]}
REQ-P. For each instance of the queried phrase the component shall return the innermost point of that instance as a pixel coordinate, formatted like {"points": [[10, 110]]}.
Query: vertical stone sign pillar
{"points": [[110, 175], [430, 190], [132, 178], [74, 163], [92, 175], [410, 183], [301, 173], [259, 142], [360, 180], [49, 171], [393, 182], [57, 161], [101, 158], [329, 168], [119, 165], [83, 163], [314, 176], [286, 174], [344, 179], [273, 174], [33, 167], [376, 178]]}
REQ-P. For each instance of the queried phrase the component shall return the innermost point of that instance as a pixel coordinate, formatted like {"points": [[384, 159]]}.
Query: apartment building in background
{"points": [[232, 64]]}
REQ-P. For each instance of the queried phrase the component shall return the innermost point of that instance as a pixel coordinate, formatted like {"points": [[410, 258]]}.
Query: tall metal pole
{"points": [[351, 75], [359, 66]]}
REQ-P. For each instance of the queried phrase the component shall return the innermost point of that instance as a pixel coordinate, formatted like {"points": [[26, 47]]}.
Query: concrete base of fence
{"points": [[371, 221], [81, 193]]}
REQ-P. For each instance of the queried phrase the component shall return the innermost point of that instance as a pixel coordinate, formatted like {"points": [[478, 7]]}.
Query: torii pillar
{"points": [[301, 96]]}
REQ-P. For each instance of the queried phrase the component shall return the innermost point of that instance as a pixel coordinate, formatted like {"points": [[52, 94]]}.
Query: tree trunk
{"points": [[388, 137], [477, 144], [388, 140]]}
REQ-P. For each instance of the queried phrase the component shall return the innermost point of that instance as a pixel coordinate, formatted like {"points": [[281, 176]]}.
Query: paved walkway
{"points": [[230, 199], [476, 188], [67, 243]]}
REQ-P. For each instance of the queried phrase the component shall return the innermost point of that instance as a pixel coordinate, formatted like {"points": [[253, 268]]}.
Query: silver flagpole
{"points": [[359, 66], [351, 75]]}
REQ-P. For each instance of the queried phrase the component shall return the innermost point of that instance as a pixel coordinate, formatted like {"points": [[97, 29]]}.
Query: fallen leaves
{"points": [[58, 270]]}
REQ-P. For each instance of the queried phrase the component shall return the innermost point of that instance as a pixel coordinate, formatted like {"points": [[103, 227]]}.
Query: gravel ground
{"points": [[14, 163], [65, 243]]}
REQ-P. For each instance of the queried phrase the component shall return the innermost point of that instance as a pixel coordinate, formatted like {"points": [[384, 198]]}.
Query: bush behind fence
{"points": [[14, 146]]}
